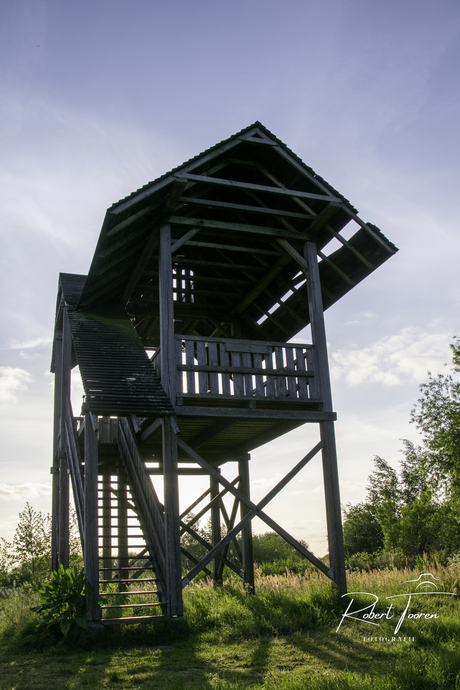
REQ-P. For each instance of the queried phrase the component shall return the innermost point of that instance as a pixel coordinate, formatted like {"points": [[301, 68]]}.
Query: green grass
{"points": [[284, 638]]}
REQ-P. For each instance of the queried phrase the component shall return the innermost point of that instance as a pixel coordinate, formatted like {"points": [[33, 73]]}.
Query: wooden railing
{"points": [[244, 369]]}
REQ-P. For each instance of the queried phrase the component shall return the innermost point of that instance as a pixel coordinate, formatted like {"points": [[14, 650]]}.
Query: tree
{"points": [[270, 547], [362, 532], [437, 416], [32, 538]]}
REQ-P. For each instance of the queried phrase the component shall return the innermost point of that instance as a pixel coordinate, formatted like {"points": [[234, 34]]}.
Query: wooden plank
{"points": [[202, 363], [235, 184], [233, 248], [141, 264], [224, 361], [234, 369], [280, 379], [282, 262], [270, 382], [244, 207], [313, 381], [294, 254], [301, 368], [182, 240], [167, 350], [264, 231], [247, 364], [247, 413], [239, 342], [260, 390], [318, 331], [238, 385], [213, 376], [190, 362], [179, 374], [291, 380], [336, 269]]}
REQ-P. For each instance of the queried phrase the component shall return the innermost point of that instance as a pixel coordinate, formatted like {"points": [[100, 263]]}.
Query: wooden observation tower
{"points": [[181, 331]]}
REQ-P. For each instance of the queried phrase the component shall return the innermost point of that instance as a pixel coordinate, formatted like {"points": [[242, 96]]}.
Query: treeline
{"points": [[414, 513]]}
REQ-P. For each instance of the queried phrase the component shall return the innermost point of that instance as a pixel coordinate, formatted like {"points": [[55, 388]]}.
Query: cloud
{"points": [[20, 491], [12, 380], [29, 344], [392, 361]]}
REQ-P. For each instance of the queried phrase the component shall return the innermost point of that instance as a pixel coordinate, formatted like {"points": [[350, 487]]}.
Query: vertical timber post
{"points": [[329, 452], [168, 380], [66, 368], [106, 526], [91, 554], [246, 533], [56, 445], [122, 520], [216, 536]]}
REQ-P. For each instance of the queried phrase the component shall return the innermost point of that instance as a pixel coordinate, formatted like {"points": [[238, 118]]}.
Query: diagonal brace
{"points": [[254, 510]]}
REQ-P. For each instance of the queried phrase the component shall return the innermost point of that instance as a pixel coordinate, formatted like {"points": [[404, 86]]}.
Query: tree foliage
{"points": [[437, 416]]}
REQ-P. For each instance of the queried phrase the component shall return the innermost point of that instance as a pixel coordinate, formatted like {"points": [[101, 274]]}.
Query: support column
{"points": [[218, 567], [64, 382], [122, 505], [56, 445], [106, 521], [91, 553], [329, 452], [246, 532], [172, 520]]}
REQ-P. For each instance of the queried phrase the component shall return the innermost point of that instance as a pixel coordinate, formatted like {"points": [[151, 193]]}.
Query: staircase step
{"points": [[129, 606], [133, 619]]}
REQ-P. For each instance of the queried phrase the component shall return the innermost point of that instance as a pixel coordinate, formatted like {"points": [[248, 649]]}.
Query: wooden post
{"points": [[168, 380], [329, 452], [122, 511], [216, 532], [167, 349], [172, 520], [106, 521], [65, 382], [246, 533], [91, 554], [56, 446]]}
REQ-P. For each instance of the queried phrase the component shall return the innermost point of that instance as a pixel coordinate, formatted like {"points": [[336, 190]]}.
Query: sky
{"points": [[97, 98]]}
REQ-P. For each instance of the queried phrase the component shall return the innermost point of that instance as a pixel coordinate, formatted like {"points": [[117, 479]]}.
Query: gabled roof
{"points": [[240, 213]]}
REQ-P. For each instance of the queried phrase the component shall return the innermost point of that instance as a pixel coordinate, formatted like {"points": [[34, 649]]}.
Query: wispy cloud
{"points": [[12, 380], [393, 361], [29, 344], [21, 491]]}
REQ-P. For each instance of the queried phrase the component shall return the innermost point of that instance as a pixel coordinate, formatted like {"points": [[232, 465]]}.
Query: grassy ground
{"points": [[284, 638]]}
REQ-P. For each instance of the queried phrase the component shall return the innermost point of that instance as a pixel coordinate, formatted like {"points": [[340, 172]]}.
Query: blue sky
{"points": [[97, 98]]}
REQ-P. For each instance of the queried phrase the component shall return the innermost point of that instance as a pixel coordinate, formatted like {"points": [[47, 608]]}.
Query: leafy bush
{"points": [[63, 601]]}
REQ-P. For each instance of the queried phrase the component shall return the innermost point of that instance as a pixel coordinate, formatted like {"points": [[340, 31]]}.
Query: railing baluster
{"points": [[190, 361], [291, 379], [300, 366]]}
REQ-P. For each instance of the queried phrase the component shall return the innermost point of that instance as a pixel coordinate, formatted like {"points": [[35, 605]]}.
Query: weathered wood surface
{"points": [[232, 369]]}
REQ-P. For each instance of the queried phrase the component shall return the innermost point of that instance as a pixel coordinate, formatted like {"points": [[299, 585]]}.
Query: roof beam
{"points": [[236, 184], [261, 285], [152, 242], [245, 207], [239, 227]]}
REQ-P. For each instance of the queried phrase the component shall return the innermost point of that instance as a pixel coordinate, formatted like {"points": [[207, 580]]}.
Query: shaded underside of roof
{"points": [[117, 375], [240, 214]]}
